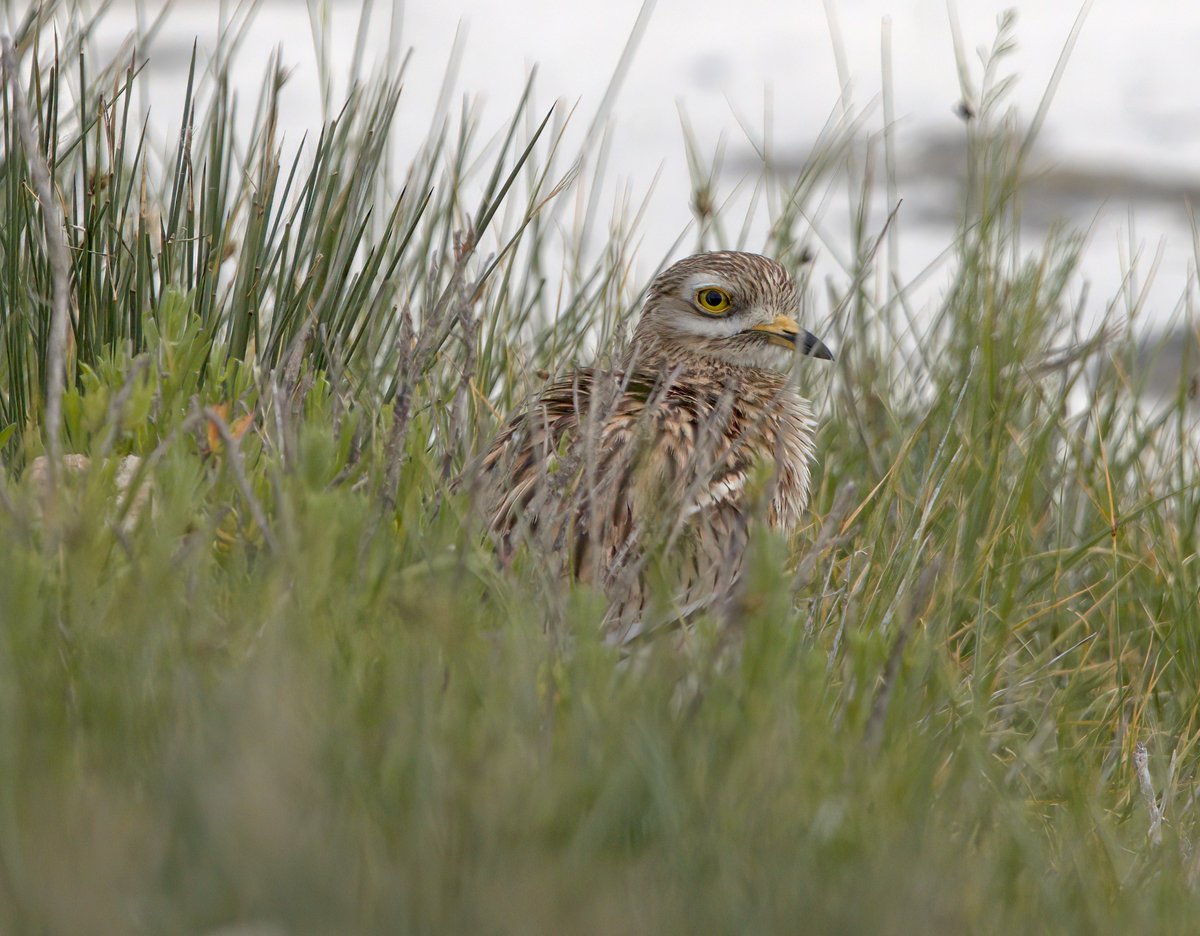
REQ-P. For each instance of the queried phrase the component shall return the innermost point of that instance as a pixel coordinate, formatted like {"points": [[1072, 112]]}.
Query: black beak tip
{"points": [[815, 347]]}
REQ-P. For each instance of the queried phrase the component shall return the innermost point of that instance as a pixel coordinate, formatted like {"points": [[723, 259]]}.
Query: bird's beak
{"points": [[784, 332]]}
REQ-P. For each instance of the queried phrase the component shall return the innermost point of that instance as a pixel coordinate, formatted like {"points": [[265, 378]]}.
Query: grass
{"points": [[298, 693]]}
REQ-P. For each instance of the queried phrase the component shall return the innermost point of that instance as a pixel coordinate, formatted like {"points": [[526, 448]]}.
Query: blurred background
{"points": [[1118, 155]]}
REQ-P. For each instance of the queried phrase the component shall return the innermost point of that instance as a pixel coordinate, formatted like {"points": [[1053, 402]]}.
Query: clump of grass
{"points": [[298, 692]]}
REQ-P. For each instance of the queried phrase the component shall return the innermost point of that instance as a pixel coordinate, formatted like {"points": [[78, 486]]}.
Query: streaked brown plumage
{"points": [[647, 471]]}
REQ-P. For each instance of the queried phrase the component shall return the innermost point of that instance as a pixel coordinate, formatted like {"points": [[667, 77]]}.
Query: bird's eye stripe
{"points": [[712, 299]]}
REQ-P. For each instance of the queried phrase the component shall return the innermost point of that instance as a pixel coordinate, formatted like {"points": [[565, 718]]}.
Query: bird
{"points": [[643, 476]]}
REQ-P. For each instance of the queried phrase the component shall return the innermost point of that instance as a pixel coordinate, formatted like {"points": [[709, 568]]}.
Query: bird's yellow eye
{"points": [[712, 299]]}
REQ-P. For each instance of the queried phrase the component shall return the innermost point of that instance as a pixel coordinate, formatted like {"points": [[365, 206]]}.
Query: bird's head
{"points": [[736, 308]]}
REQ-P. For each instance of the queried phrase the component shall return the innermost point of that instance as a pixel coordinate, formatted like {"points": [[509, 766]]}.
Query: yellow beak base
{"points": [[785, 332]]}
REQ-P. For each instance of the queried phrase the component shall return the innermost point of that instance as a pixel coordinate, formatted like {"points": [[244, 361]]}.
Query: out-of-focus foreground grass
{"points": [[290, 687]]}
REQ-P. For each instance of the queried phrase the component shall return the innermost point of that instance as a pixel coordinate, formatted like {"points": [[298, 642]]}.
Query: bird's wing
{"points": [[593, 452], [531, 471]]}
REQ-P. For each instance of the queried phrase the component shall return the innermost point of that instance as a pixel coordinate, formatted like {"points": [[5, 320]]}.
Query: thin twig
{"points": [[406, 376], [56, 251], [233, 456], [832, 534], [1141, 762], [278, 403], [117, 405]]}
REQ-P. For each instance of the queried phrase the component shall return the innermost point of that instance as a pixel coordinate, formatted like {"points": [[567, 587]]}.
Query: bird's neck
{"points": [[649, 352]]}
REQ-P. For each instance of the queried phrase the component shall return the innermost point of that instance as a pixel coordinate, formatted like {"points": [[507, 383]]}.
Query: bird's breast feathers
{"points": [[653, 444]]}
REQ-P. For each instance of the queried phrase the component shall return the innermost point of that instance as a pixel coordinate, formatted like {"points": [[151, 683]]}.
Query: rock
{"points": [[75, 465]]}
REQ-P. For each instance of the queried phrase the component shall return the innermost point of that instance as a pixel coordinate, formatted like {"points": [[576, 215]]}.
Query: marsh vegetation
{"points": [[293, 688]]}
